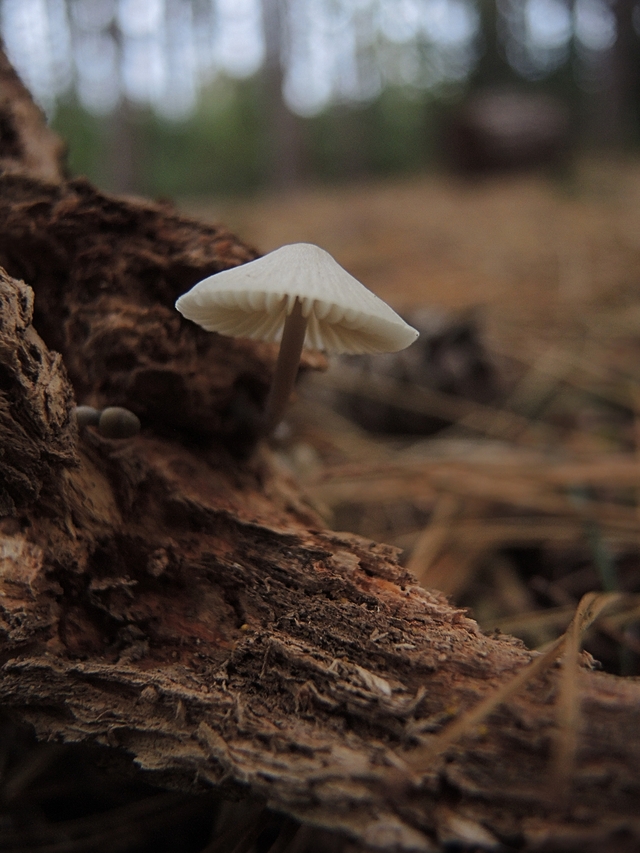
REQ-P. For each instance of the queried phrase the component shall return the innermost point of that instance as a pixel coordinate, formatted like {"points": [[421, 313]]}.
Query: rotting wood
{"points": [[187, 608], [169, 601], [37, 434], [107, 272]]}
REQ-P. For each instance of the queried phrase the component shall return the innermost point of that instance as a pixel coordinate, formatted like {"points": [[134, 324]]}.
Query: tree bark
{"points": [[107, 272], [183, 605]]}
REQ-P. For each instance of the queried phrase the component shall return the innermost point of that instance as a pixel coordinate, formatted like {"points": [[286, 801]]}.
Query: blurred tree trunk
{"points": [[122, 144], [611, 80], [123, 173], [284, 131], [625, 62], [492, 68]]}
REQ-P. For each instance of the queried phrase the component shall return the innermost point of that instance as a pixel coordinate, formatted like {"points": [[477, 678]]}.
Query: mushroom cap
{"points": [[253, 300]]}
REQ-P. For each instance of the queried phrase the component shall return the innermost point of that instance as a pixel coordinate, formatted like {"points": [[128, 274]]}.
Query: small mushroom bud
{"points": [[87, 416], [116, 422]]}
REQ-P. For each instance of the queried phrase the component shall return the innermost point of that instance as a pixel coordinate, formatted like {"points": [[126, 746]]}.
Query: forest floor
{"points": [[526, 504]]}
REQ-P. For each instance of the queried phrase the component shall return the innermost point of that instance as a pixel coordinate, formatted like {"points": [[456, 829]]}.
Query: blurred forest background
{"points": [[195, 97]]}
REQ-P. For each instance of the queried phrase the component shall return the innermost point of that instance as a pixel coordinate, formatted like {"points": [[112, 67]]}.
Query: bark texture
{"points": [[107, 272], [173, 603], [162, 598], [37, 433]]}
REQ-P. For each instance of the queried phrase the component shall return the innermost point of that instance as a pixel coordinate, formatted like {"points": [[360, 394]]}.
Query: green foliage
{"points": [[85, 138], [403, 131], [394, 133], [218, 150], [222, 148]]}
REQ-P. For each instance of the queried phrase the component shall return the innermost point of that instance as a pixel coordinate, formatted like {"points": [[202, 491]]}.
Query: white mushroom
{"points": [[298, 295]]}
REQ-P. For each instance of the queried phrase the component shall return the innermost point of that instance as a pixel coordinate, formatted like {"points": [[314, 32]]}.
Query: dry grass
{"points": [[516, 510]]}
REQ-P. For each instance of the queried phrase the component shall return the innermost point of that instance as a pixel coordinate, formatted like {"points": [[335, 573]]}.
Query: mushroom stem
{"points": [[295, 328]]}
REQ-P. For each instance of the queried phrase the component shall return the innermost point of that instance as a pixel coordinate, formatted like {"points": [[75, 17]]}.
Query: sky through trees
{"points": [[162, 52]]}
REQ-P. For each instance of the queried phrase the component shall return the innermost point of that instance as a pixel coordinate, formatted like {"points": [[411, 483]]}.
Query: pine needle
{"points": [[434, 536], [588, 610], [568, 709]]}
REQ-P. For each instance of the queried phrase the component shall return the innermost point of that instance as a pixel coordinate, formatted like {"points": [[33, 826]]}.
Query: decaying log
{"points": [[107, 272], [174, 603], [187, 608], [37, 433]]}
